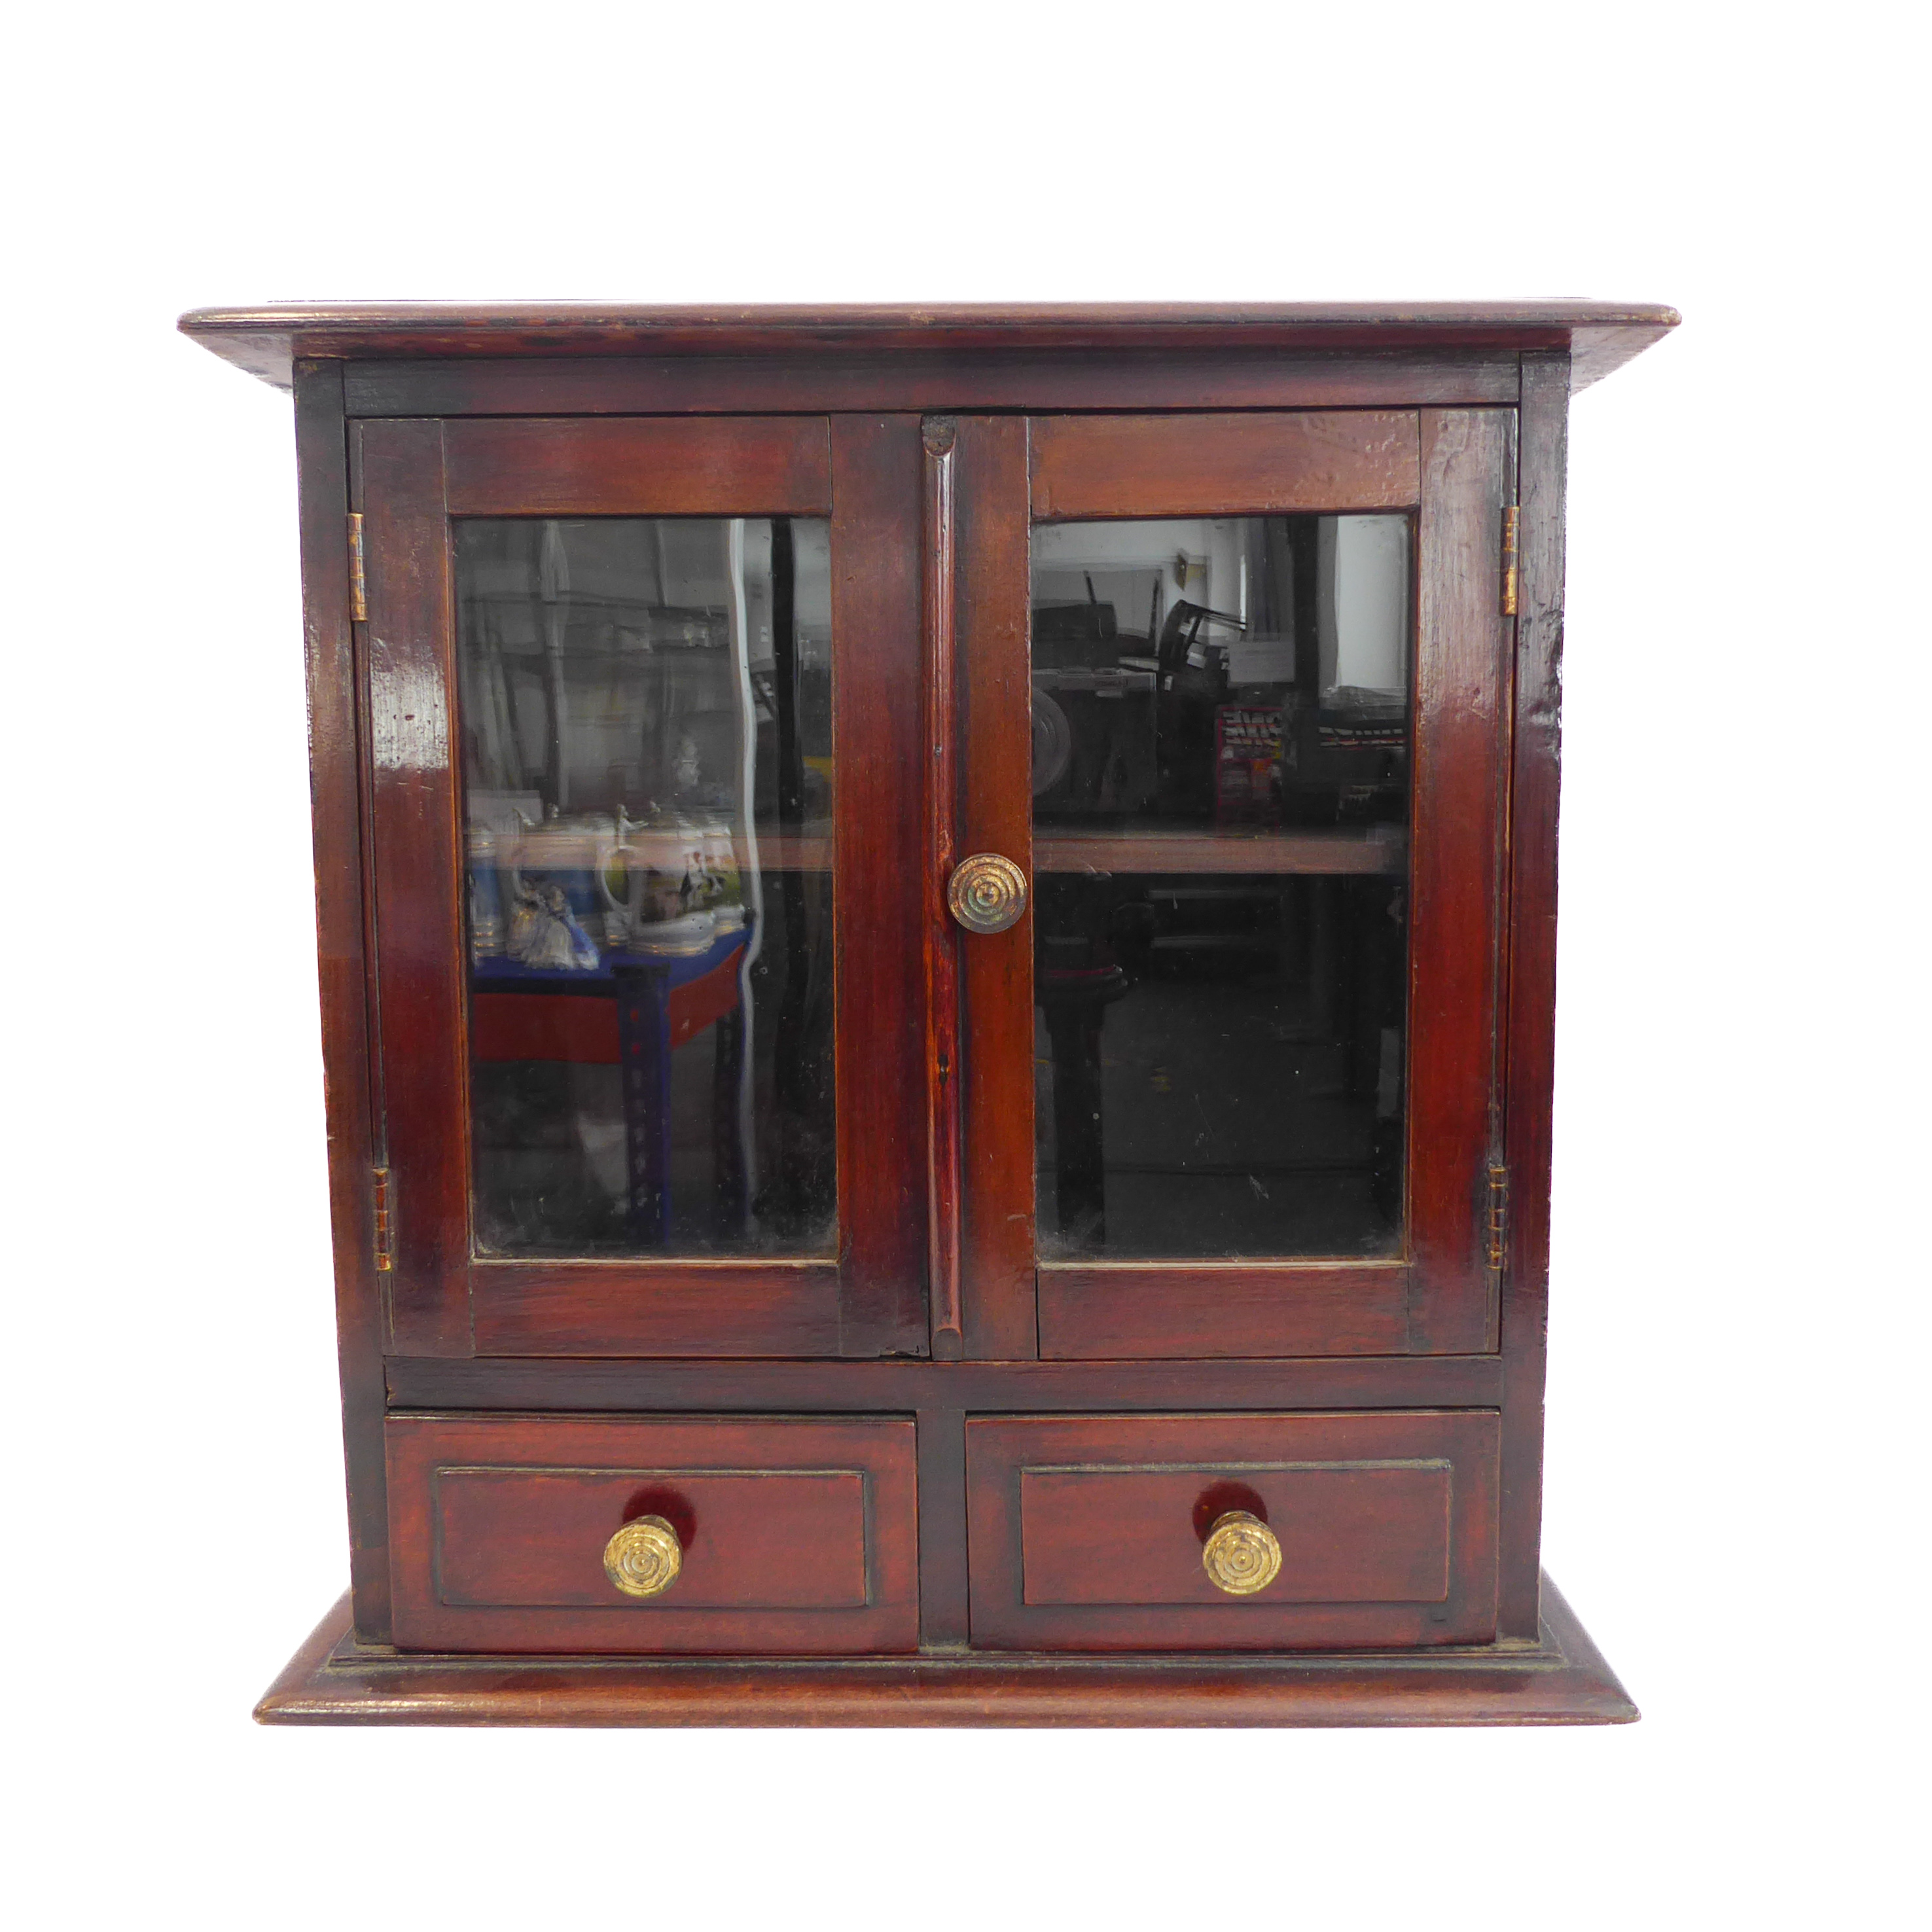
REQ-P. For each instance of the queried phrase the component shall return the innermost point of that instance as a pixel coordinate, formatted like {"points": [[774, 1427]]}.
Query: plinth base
{"points": [[1561, 1679]]}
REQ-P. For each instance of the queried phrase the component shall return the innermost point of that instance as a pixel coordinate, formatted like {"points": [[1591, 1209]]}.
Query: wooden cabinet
{"points": [[938, 942]]}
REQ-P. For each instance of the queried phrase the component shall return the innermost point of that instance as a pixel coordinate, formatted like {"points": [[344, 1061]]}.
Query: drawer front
{"points": [[1087, 1532], [794, 1537]]}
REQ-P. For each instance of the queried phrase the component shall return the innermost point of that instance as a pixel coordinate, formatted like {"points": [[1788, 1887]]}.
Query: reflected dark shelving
{"points": [[1344, 851]]}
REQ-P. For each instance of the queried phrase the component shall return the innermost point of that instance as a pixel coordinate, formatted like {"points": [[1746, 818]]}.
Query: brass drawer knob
{"points": [[642, 1559], [987, 893], [1241, 1554]]}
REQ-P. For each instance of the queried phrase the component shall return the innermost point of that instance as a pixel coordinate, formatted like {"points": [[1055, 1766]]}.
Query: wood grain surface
{"points": [[639, 466], [417, 859], [1043, 1496], [799, 1536], [1087, 1532], [993, 576], [263, 339], [879, 898], [1209, 465], [1530, 1014], [342, 964]]}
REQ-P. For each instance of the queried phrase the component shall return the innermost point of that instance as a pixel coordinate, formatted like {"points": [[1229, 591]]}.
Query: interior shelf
{"points": [[1344, 849]]}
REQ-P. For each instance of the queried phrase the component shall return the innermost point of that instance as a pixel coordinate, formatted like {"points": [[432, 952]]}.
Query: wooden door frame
{"points": [[1453, 469], [415, 476]]}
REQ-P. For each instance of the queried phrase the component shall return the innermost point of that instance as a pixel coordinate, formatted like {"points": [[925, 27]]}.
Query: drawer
{"points": [[791, 1537], [1089, 1532]]}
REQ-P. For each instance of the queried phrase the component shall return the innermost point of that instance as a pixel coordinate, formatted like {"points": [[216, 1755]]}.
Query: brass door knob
{"points": [[642, 1559], [986, 892], [1240, 1555]]}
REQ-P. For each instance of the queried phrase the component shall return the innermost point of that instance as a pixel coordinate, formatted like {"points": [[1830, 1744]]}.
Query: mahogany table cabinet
{"points": [[938, 937]]}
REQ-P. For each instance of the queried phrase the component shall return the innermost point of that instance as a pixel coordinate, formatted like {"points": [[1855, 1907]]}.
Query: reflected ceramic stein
{"points": [[623, 870]]}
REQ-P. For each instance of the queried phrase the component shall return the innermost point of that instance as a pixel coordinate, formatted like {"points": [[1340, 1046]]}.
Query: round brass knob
{"points": [[986, 892], [1241, 1554], [642, 1559]]}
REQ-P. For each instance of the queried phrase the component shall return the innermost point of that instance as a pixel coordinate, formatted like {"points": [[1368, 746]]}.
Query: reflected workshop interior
{"points": [[646, 726], [1221, 725], [1221, 729]]}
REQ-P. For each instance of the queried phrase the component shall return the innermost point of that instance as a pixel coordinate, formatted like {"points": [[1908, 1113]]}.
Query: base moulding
{"points": [[1560, 1679]]}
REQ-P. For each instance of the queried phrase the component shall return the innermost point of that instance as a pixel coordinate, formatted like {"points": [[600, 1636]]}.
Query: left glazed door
{"points": [[640, 735]]}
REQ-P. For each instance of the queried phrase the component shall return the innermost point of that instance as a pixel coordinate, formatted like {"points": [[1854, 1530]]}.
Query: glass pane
{"points": [[647, 722], [1221, 805]]}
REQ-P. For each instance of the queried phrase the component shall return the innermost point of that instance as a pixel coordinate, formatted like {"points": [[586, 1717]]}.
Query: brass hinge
{"points": [[358, 578], [1512, 516], [384, 1260], [1498, 1228]]}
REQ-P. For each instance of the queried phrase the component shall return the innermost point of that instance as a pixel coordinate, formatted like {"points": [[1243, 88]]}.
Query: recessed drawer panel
{"points": [[1236, 1532], [629, 1535]]}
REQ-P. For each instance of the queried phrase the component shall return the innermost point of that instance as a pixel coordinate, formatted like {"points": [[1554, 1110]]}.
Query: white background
{"points": [[1736, 1464]]}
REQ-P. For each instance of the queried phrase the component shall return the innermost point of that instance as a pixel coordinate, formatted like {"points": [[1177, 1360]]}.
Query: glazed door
{"points": [[642, 783], [1230, 693]]}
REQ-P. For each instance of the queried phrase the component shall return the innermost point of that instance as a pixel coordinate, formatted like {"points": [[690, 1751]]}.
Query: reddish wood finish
{"points": [[1344, 851], [1415, 1382], [958, 380], [639, 466], [994, 621], [1442, 1299], [1601, 335], [335, 803], [871, 1300], [417, 847], [1352, 1533], [716, 1308], [1187, 466], [1460, 743], [799, 1536], [878, 898], [940, 940], [1532, 1011], [942, 1587], [1149, 1310], [1462, 1407], [1087, 1532], [524, 1538], [1560, 1679]]}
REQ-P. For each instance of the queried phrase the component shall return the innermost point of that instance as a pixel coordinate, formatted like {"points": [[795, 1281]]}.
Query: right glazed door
{"points": [[1230, 695]]}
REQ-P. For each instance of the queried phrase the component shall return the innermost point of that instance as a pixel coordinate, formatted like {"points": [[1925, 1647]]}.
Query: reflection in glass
{"points": [[1221, 806], [647, 759]]}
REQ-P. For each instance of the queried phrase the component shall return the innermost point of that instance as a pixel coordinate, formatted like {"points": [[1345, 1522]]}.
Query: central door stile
{"points": [[939, 438], [877, 728], [991, 639]]}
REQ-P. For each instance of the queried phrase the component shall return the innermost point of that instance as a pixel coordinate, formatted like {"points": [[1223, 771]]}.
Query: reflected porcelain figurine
{"points": [[545, 932], [551, 874]]}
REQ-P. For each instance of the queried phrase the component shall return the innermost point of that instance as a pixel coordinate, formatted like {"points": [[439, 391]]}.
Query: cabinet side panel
{"points": [[876, 469], [1460, 722], [1532, 974], [322, 466]]}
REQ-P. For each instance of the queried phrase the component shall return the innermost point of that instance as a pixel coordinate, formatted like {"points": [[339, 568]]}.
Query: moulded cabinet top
{"points": [[267, 341]]}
